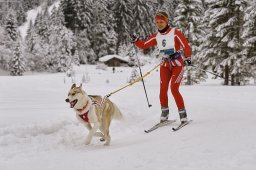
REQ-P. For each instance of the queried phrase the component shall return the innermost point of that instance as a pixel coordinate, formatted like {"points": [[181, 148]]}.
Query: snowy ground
{"points": [[38, 130]]}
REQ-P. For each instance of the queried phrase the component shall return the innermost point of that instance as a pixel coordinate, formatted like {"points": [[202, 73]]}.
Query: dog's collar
{"points": [[80, 110]]}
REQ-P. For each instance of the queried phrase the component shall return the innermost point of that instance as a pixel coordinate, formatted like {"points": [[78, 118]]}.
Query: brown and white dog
{"points": [[94, 112]]}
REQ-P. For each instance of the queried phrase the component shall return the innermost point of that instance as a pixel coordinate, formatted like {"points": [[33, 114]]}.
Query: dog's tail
{"points": [[117, 113]]}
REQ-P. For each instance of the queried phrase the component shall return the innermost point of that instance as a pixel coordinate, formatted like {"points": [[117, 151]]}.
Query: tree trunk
{"points": [[232, 79], [232, 75], [226, 75], [189, 82]]}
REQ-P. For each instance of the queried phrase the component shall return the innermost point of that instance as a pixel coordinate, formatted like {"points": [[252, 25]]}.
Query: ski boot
{"points": [[183, 115], [164, 114]]}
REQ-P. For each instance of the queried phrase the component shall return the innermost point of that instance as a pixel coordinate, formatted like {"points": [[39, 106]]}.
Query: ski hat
{"points": [[162, 15]]}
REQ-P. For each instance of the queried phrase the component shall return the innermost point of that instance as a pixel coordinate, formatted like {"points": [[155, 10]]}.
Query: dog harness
{"points": [[85, 115]]}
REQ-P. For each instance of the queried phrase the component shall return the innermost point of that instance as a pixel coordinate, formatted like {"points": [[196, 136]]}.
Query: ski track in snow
{"points": [[38, 130]]}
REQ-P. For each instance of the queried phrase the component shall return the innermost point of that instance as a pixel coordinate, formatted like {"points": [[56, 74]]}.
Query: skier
{"points": [[169, 41]]}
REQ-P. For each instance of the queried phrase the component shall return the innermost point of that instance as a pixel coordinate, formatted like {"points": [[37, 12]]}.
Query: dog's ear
{"points": [[80, 85], [73, 86]]}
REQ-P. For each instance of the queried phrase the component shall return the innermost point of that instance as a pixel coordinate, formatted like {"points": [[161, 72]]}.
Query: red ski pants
{"points": [[174, 73]]}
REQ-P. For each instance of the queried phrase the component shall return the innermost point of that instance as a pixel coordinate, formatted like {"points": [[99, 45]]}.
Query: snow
{"points": [[38, 130], [108, 57]]}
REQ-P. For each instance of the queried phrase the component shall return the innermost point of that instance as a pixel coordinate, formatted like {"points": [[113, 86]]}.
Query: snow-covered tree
{"points": [[249, 37], [57, 16], [103, 38], [21, 16], [37, 43], [142, 22], [61, 45], [188, 19], [44, 25], [249, 32], [30, 37], [75, 58], [85, 13], [70, 13], [165, 5], [77, 13], [224, 43], [30, 4], [17, 63], [11, 25], [85, 52], [34, 49], [134, 75], [123, 14], [11, 43], [6, 52]]}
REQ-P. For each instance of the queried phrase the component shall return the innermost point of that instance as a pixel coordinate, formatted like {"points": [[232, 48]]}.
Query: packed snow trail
{"points": [[38, 130]]}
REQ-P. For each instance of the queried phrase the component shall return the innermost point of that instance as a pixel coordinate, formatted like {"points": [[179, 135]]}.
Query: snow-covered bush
{"points": [[101, 66]]}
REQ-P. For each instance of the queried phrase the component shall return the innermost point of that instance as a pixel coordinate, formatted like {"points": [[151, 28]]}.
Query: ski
{"points": [[167, 122], [181, 125]]}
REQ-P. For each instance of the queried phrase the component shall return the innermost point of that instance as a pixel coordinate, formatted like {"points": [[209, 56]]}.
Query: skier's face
{"points": [[161, 24]]}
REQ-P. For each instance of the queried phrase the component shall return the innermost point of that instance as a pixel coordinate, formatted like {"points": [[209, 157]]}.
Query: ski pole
{"points": [[209, 72], [149, 105]]}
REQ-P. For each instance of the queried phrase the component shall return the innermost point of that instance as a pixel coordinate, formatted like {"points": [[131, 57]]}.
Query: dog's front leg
{"points": [[88, 126], [91, 133]]}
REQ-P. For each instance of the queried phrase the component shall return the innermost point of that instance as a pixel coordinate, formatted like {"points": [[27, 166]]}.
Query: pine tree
{"points": [[142, 18], [17, 63], [85, 52], [249, 37], [249, 33], [30, 37], [11, 25], [61, 44], [30, 4], [6, 52], [103, 38], [57, 16], [37, 43], [41, 24], [134, 75], [123, 13], [38, 23], [74, 12], [44, 26], [60, 47], [85, 13], [224, 40], [21, 16], [12, 44], [33, 48], [75, 58], [188, 19], [166, 5]]}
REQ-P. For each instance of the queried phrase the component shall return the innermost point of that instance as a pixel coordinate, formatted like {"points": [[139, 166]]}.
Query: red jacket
{"points": [[180, 42]]}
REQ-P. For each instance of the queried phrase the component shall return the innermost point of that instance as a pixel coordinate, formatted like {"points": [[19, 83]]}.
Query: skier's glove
{"points": [[187, 61], [134, 37]]}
